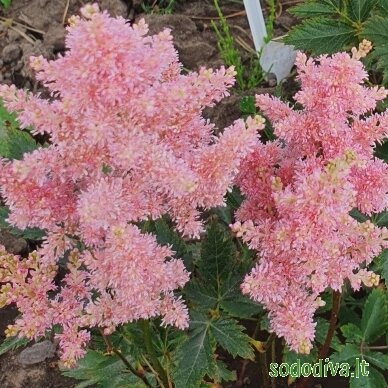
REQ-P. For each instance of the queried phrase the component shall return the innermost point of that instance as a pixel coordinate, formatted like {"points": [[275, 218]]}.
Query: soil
{"points": [[36, 27]]}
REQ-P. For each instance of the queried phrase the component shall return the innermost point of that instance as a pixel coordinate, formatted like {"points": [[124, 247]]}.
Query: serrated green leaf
{"points": [[347, 354], [321, 333], [381, 150], [352, 333], [359, 10], [29, 233], [376, 30], [12, 343], [381, 219], [384, 265], [374, 316], [378, 359], [241, 306], [220, 373], [374, 380], [166, 236], [217, 254], [194, 356], [201, 296], [312, 9], [321, 36], [230, 336], [105, 371]]}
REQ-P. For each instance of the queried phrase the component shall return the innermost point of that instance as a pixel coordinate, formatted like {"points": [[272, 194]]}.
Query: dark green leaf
{"points": [[220, 373], [201, 296], [352, 333], [105, 371], [310, 9], [381, 219], [384, 265], [240, 306], [321, 333], [381, 150], [377, 359], [347, 354], [166, 236], [194, 356], [217, 254], [359, 10], [12, 343], [374, 380], [321, 36], [376, 30], [374, 316], [357, 215], [247, 105], [229, 334]]}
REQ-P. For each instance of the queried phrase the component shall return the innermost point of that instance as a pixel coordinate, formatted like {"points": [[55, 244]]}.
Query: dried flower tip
{"points": [[73, 20], [363, 49], [305, 347], [89, 10]]}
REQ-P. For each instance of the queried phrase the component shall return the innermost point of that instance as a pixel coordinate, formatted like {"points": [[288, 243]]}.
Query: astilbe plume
{"points": [[127, 143], [300, 189]]}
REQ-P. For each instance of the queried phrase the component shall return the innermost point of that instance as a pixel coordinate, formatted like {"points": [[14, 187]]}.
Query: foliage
{"points": [[336, 25], [5, 3], [159, 6], [247, 77]]}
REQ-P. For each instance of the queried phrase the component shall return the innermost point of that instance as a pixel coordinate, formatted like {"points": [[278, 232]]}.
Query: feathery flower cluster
{"points": [[300, 189], [127, 143]]}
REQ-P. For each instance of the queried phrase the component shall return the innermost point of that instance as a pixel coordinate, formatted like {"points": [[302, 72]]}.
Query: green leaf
{"points": [[359, 10], [321, 36], [239, 305], [312, 9], [5, 3], [194, 356], [202, 297], [35, 234], [347, 354], [358, 216], [381, 150], [220, 373], [376, 30], [383, 261], [247, 105], [374, 380], [105, 371], [374, 320], [381, 219], [378, 359], [321, 333], [352, 333], [229, 334], [217, 254], [12, 343], [166, 236]]}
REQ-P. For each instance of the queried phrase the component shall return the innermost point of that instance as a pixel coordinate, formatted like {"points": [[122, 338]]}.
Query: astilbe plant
{"points": [[127, 143], [300, 189]]}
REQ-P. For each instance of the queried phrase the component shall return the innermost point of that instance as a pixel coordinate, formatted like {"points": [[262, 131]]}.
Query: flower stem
{"points": [[145, 327], [324, 350], [111, 349]]}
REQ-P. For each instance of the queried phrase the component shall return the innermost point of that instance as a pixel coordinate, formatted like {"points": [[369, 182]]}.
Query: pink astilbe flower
{"points": [[127, 143], [300, 189]]}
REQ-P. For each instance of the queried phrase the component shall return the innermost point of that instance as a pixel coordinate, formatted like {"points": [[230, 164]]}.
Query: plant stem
{"points": [[145, 327], [111, 349], [383, 347], [324, 350]]}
